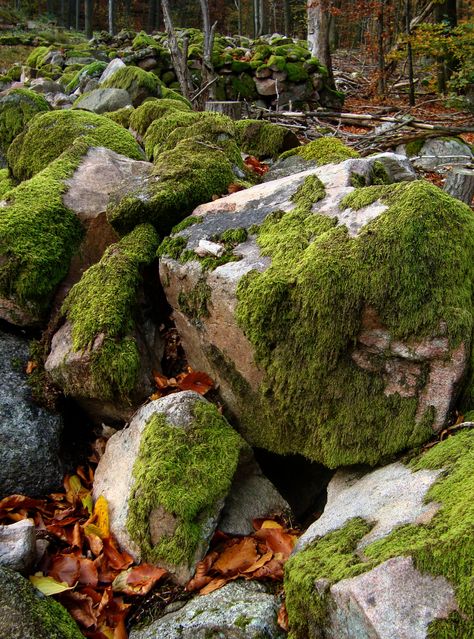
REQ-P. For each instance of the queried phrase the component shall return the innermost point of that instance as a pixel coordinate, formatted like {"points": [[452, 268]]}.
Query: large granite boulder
{"points": [[104, 353], [392, 554], [438, 154], [103, 100], [18, 545], [25, 613], [332, 317], [29, 435], [240, 610], [165, 478]]}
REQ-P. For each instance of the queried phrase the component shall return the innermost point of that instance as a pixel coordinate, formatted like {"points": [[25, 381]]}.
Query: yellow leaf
{"points": [[101, 511], [47, 585], [269, 523], [88, 503], [92, 529], [75, 484]]}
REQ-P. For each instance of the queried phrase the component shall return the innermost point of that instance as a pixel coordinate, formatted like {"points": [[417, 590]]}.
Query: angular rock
{"points": [[29, 435], [45, 85], [113, 66], [25, 613], [396, 570], [165, 478], [266, 86], [18, 545], [103, 100], [252, 496], [239, 610], [438, 154], [235, 331]]}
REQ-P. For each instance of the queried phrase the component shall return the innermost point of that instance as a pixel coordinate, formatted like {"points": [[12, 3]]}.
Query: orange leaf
{"points": [[101, 511], [80, 607], [161, 381], [118, 560], [237, 558], [30, 366], [88, 572], [201, 578], [65, 568], [215, 584], [283, 617], [271, 570], [196, 381], [234, 188], [260, 562], [277, 540]]}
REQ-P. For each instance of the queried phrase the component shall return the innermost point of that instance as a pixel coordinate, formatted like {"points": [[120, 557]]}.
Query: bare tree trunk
{"points": [[78, 14], [319, 18], [88, 6], [288, 27], [410, 55], [178, 56], [111, 5], [152, 15], [208, 74], [238, 6], [380, 49]]}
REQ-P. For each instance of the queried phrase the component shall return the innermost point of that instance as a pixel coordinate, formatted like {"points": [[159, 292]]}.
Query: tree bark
{"points": [[288, 26], [111, 5], [178, 56], [88, 17], [460, 184], [411, 82], [208, 74], [319, 16], [380, 49]]}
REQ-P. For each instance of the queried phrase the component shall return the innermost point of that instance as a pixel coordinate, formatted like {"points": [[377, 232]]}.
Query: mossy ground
{"points": [[412, 265], [327, 150], [50, 134], [16, 110], [259, 138], [444, 546], [104, 302], [186, 471], [5, 182]]}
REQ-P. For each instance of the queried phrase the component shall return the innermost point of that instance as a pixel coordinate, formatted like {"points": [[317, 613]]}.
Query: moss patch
{"points": [[195, 303], [261, 139], [5, 182], [121, 116], [328, 150], [92, 70], [16, 110], [50, 134], [153, 109], [140, 84], [412, 265], [104, 301], [186, 471]]}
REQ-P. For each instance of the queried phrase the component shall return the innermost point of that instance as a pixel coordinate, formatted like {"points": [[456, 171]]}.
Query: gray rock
{"points": [[113, 66], [45, 85], [252, 496], [239, 610], [114, 480], [288, 166], [389, 496], [392, 601], [440, 154], [18, 545], [25, 613], [104, 100], [29, 435]]}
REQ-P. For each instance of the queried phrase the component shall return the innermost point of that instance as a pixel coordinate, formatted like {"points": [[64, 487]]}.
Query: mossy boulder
{"points": [[140, 84], [327, 150], [103, 100], [28, 614], [329, 283], [17, 108], [48, 135], [165, 479], [153, 109], [104, 353], [407, 557], [264, 139]]}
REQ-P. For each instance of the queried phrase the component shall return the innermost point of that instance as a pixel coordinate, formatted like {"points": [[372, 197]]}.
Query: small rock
{"points": [[111, 68], [104, 100], [209, 248], [18, 545]]}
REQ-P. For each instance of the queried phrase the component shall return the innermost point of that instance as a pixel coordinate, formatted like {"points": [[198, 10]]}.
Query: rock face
{"points": [[439, 154], [240, 610], [386, 559], [234, 312], [29, 435], [18, 545], [104, 100], [25, 613], [165, 478]]}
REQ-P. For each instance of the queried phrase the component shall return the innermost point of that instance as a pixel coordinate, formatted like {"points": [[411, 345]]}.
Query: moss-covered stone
{"points": [[187, 471], [5, 182], [170, 94], [92, 70], [140, 84], [183, 177], [36, 56], [50, 134], [412, 265], [444, 546], [326, 150], [121, 116], [104, 302], [142, 40], [17, 108], [262, 139], [158, 131], [28, 614], [153, 109]]}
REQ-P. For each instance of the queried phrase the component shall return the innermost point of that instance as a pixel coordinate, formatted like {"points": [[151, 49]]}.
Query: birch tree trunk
{"points": [[319, 18]]}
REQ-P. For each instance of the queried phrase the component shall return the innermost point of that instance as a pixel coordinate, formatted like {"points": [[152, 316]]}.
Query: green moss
{"points": [[412, 265], [159, 130], [211, 128], [296, 72], [49, 134], [307, 194], [242, 621], [39, 235], [188, 221], [188, 175], [379, 174], [121, 116], [414, 147], [154, 109], [243, 87], [92, 70], [35, 56], [17, 108], [172, 247], [169, 94], [232, 237], [331, 559], [195, 303], [5, 182], [142, 40], [365, 196], [140, 84], [186, 471], [326, 150], [259, 138]]}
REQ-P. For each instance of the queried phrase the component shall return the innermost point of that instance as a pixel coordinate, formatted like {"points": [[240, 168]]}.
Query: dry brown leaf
{"points": [[31, 366], [196, 381], [260, 562], [201, 577], [215, 584], [237, 558], [277, 540], [65, 568], [283, 617]]}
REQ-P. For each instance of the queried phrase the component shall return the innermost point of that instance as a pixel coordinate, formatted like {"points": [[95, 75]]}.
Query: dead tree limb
{"points": [[179, 56]]}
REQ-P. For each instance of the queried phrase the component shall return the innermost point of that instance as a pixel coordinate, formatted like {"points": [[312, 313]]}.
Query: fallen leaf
{"points": [[237, 557], [101, 511], [271, 570], [47, 585], [138, 580], [196, 381], [80, 607], [118, 560], [201, 577], [234, 188], [65, 568], [282, 618], [277, 540], [215, 584], [260, 562], [31, 366], [88, 575]]}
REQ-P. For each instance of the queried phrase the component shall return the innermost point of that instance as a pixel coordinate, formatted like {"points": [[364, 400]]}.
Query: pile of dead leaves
{"points": [[254, 165], [82, 566], [188, 380]]}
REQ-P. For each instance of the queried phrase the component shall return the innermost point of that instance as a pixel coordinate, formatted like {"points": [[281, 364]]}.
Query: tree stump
{"points": [[231, 109], [460, 184]]}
